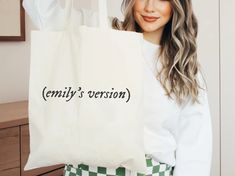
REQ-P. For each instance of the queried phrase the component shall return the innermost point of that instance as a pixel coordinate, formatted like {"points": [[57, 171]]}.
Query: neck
{"points": [[154, 37]]}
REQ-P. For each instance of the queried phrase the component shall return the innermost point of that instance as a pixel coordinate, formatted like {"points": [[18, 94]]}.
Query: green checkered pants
{"points": [[154, 168]]}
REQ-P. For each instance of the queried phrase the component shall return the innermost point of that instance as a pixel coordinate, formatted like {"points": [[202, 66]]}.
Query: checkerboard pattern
{"points": [[154, 168]]}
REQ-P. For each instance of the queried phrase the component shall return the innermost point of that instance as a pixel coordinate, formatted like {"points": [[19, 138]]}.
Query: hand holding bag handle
{"points": [[102, 13]]}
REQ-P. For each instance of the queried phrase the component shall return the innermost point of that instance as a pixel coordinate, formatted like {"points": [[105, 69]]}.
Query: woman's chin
{"points": [[145, 29]]}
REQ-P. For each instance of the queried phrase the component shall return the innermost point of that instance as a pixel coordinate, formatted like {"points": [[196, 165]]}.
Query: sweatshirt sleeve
{"points": [[45, 14], [49, 15], [194, 139]]}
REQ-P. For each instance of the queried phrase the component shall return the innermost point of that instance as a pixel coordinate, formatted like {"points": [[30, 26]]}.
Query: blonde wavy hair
{"points": [[178, 51]]}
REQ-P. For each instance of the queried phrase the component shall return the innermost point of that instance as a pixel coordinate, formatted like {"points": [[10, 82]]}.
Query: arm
{"points": [[45, 14], [49, 15], [194, 138]]}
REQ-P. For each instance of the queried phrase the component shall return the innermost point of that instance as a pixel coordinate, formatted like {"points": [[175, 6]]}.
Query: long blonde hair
{"points": [[178, 51]]}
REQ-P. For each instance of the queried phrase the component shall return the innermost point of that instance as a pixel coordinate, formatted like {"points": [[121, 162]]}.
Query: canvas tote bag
{"points": [[85, 96]]}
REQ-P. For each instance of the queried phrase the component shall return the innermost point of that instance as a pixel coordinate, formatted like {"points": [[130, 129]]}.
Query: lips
{"points": [[150, 18]]}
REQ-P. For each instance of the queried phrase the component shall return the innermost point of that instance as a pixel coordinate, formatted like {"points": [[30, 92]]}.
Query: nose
{"points": [[149, 6]]}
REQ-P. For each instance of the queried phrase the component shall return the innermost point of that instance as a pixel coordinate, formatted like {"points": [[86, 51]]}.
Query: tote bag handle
{"points": [[102, 13]]}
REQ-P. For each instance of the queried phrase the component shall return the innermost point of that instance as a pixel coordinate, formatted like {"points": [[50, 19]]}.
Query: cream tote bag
{"points": [[86, 96]]}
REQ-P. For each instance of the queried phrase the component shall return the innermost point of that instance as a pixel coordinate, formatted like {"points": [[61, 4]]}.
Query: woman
{"points": [[178, 131]]}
